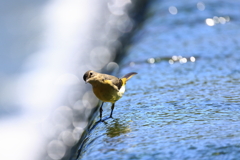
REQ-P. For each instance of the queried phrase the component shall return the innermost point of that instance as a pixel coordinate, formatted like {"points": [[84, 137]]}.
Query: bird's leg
{"points": [[112, 110], [101, 111]]}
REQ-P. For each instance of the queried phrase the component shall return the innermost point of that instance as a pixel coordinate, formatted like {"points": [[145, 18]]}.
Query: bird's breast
{"points": [[108, 93]]}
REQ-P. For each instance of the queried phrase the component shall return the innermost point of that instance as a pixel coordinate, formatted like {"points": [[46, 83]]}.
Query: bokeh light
{"points": [[210, 22], [111, 66], [56, 149], [99, 57], [201, 6], [151, 60], [175, 58], [183, 60], [173, 10], [217, 20], [171, 61], [192, 59]]}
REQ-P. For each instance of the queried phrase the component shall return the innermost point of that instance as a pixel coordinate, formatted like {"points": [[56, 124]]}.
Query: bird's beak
{"points": [[86, 81]]}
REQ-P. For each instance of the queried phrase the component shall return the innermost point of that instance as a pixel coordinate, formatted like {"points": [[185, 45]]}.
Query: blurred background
{"points": [[192, 48], [46, 47]]}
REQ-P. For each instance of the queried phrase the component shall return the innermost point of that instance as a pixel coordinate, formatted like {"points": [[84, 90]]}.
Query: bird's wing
{"points": [[114, 81], [118, 82]]}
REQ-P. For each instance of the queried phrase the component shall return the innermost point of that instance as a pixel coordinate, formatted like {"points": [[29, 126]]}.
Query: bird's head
{"points": [[89, 76]]}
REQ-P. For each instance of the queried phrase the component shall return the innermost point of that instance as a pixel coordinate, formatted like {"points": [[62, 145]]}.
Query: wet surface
{"points": [[176, 107]]}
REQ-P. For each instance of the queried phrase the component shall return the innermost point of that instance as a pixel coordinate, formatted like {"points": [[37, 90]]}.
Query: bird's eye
{"points": [[90, 73]]}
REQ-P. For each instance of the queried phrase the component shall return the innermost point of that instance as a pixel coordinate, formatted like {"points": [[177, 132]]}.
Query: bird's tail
{"points": [[127, 77]]}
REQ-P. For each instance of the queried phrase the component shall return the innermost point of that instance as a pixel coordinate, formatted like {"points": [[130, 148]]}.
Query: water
{"points": [[187, 108]]}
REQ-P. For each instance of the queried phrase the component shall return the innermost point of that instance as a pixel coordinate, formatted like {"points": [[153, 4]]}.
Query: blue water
{"points": [[179, 109]]}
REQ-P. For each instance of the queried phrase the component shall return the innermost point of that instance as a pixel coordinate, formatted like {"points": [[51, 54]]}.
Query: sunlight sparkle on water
{"points": [[210, 22], [217, 20], [175, 58], [151, 60], [183, 60]]}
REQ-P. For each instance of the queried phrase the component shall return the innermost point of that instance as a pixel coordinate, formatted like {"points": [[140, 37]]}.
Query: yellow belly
{"points": [[107, 93]]}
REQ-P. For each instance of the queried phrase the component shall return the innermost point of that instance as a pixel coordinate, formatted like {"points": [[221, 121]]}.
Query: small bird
{"points": [[106, 87]]}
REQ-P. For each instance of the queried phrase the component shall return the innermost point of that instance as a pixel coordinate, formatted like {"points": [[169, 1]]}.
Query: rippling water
{"points": [[177, 108]]}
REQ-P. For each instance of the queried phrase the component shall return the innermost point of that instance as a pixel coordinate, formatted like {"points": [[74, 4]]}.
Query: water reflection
{"points": [[116, 128]]}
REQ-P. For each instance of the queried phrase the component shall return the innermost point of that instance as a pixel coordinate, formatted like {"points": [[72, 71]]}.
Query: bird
{"points": [[106, 87]]}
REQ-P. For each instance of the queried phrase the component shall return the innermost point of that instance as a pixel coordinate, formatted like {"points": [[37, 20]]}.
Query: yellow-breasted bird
{"points": [[106, 87]]}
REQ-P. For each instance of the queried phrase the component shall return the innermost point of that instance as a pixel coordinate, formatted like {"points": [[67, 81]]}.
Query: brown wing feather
{"points": [[115, 81]]}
